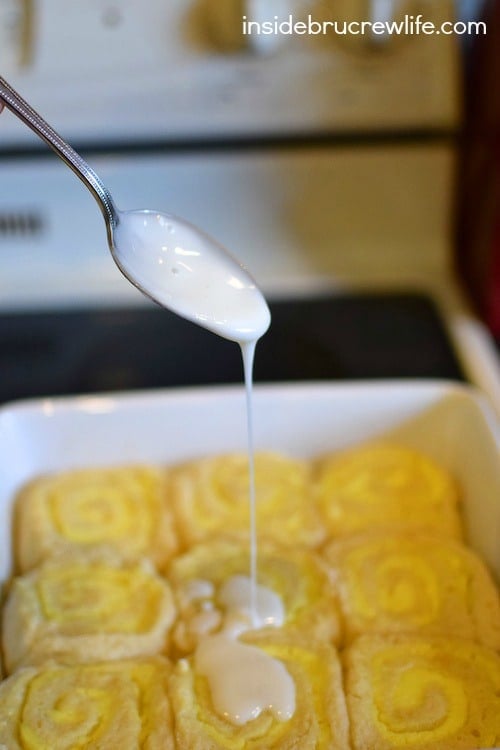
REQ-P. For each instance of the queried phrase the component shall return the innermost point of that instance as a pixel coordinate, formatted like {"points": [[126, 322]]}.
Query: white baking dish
{"points": [[451, 423]]}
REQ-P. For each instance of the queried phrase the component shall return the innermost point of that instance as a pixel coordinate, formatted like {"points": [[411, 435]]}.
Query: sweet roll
{"points": [[385, 486], [318, 722], [77, 610], [298, 576], [104, 706], [414, 584], [122, 508], [425, 694], [211, 497]]}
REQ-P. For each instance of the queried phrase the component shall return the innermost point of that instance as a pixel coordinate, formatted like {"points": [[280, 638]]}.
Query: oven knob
{"points": [[380, 12], [259, 13], [231, 24], [222, 20]]}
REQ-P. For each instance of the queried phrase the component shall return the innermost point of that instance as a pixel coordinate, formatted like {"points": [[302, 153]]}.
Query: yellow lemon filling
{"points": [[212, 496], [275, 478], [424, 705], [73, 708], [101, 598], [385, 484], [400, 585], [425, 692], [76, 712], [100, 511]]}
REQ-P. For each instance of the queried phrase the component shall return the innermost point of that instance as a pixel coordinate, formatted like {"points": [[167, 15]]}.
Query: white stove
{"points": [[323, 164], [108, 72]]}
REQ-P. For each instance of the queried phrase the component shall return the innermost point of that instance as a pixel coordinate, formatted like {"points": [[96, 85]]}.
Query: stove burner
{"points": [[362, 336]]}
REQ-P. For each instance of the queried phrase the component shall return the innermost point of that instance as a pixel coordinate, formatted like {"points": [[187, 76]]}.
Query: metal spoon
{"points": [[166, 258]]}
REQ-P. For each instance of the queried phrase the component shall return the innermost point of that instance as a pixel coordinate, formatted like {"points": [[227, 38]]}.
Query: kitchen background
{"points": [[355, 177]]}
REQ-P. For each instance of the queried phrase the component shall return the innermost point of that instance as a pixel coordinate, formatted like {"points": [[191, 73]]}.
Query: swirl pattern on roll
{"points": [[318, 723], [109, 706], [386, 486], [298, 576], [414, 583], [211, 496], [427, 694], [86, 610], [122, 508]]}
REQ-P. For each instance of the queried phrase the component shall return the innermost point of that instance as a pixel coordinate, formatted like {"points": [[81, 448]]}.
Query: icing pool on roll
{"points": [[244, 680]]}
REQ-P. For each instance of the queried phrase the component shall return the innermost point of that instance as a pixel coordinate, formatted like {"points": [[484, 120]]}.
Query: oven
{"points": [[325, 162]]}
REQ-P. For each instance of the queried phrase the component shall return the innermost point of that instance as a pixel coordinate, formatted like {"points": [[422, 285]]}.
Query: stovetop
{"points": [[357, 336]]}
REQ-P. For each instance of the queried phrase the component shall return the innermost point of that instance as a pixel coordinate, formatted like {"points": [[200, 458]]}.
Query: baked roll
{"points": [[107, 706], [414, 584], [318, 720], [122, 508], [298, 576], [424, 694], [386, 486], [211, 497], [77, 610]]}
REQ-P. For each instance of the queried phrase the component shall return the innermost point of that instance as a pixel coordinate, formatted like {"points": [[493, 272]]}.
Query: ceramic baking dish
{"points": [[451, 423]]}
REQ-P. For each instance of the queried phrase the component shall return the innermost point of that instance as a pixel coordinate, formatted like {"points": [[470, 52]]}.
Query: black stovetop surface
{"points": [[361, 336]]}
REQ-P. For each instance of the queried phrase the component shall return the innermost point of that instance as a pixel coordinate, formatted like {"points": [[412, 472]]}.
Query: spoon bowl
{"points": [[185, 270]]}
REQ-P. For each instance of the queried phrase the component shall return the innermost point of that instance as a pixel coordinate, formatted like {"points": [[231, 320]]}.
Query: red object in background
{"points": [[478, 207]]}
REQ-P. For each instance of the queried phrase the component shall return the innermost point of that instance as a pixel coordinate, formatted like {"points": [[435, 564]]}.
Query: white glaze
{"points": [[205, 622], [197, 589], [248, 353], [186, 271], [235, 596], [244, 680]]}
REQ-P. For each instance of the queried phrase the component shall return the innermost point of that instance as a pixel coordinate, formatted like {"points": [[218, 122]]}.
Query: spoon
{"points": [[166, 258]]}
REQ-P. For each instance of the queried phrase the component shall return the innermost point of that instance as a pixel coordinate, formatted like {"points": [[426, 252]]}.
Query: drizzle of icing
{"points": [[236, 596], [244, 680]]}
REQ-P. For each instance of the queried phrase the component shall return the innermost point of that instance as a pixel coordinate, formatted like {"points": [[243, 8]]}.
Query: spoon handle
{"points": [[33, 120]]}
